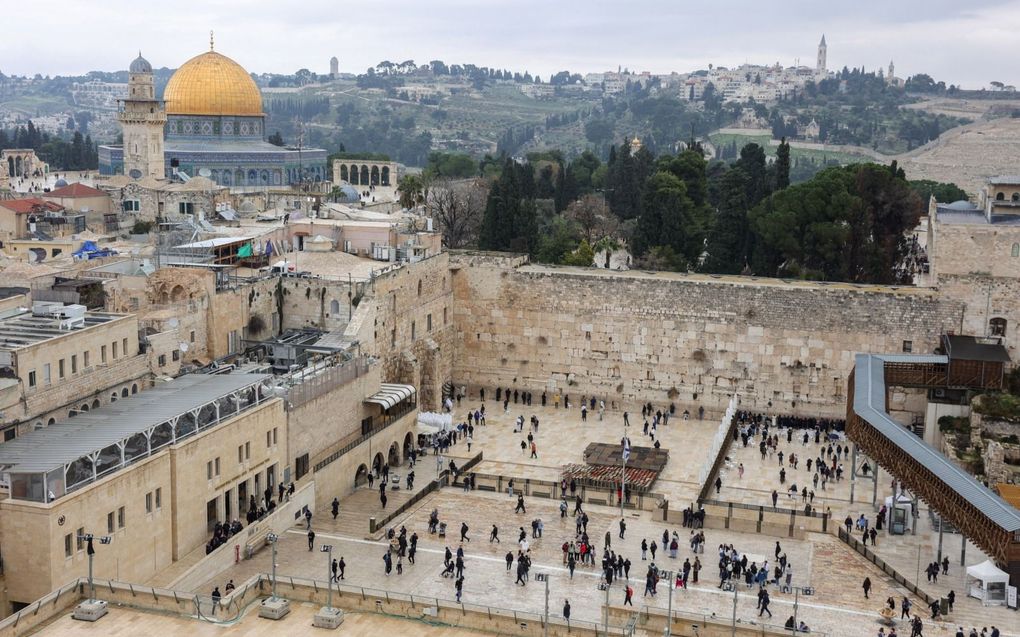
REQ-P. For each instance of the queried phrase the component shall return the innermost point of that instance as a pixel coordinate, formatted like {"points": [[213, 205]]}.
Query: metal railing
{"points": [[357, 438], [870, 555]]}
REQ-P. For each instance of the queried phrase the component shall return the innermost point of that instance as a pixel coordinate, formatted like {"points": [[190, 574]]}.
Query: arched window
{"points": [[334, 307], [1016, 196], [1000, 196], [1015, 252], [134, 389], [997, 326]]}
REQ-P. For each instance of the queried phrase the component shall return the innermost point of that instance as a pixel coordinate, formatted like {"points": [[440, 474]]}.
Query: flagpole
{"points": [[623, 474]]}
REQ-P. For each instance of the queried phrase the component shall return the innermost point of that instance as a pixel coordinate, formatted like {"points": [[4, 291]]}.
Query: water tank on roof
{"points": [[73, 311], [46, 308]]}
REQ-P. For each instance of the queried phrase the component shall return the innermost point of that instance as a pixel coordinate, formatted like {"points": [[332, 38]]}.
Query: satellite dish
{"points": [[173, 322], [134, 173], [205, 172], [183, 346]]}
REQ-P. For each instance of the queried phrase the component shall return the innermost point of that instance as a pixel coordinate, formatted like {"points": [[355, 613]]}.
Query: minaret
{"points": [[142, 118], [892, 70], [334, 67], [820, 67]]}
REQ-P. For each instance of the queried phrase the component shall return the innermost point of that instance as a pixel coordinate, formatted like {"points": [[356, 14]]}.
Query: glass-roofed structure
{"points": [[46, 464]]}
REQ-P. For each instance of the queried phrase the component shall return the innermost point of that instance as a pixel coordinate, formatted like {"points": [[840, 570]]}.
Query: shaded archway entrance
{"points": [[408, 444], [393, 458], [377, 464], [361, 475]]}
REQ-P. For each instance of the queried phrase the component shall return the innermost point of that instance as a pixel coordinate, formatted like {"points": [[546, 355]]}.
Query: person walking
{"points": [[341, 565], [623, 528], [311, 539], [765, 603], [509, 560], [628, 594], [644, 549], [566, 610], [459, 584], [494, 534], [866, 586], [336, 507], [520, 504], [905, 608], [464, 532]]}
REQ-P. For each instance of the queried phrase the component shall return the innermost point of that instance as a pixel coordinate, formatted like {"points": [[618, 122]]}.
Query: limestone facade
{"points": [[693, 340], [156, 510], [56, 377]]}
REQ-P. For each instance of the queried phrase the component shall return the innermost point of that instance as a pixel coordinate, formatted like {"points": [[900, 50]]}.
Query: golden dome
{"points": [[212, 84]]}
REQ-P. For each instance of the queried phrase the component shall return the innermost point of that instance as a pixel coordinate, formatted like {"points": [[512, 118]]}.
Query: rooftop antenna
{"points": [[210, 40]]}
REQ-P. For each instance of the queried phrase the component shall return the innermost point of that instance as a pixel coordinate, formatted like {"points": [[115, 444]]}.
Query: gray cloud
{"points": [[964, 43]]}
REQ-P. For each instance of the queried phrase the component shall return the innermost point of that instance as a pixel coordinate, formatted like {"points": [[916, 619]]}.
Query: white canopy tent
{"points": [[985, 581]]}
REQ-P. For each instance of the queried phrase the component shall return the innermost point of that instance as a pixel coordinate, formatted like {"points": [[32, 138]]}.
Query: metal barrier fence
{"points": [[434, 485], [869, 555]]}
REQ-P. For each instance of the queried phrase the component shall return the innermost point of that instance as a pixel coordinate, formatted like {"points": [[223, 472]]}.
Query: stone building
{"points": [[214, 127], [974, 257], [61, 361], [359, 172], [155, 474]]}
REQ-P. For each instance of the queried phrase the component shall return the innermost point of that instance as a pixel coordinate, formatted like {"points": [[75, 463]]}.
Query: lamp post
{"points": [[88, 538], [544, 577], [797, 590], [731, 585], [667, 576], [272, 538], [91, 609], [328, 550]]}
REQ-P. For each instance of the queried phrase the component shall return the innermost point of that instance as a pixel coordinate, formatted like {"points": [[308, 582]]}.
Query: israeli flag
{"points": [[626, 449]]}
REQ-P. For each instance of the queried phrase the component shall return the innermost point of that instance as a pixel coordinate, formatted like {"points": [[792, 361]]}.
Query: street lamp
{"points": [[668, 577], [797, 590], [273, 538], [91, 609], [328, 550], [328, 617], [544, 577], [274, 607]]}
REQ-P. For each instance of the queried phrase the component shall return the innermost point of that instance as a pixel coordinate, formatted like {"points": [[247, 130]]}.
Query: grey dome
{"points": [[60, 183], [962, 204], [140, 65]]}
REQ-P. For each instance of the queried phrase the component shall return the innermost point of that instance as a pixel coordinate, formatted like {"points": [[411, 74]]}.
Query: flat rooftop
{"points": [[23, 330], [78, 451], [130, 621]]}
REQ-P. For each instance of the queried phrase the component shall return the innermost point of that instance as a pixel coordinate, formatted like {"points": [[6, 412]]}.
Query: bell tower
{"points": [[822, 49], [142, 118]]}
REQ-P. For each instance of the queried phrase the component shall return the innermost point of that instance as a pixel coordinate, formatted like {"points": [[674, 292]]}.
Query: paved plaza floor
{"points": [[820, 561]]}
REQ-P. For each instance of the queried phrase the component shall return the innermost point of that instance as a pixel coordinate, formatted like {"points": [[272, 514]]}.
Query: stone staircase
{"points": [[355, 511]]}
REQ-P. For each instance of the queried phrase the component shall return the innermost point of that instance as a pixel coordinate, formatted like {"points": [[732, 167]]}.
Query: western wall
{"points": [[633, 336]]}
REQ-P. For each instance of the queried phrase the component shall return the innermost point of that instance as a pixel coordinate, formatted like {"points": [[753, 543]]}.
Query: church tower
{"points": [[334, 67], [142, 118], [820, 66], [892, 71]]}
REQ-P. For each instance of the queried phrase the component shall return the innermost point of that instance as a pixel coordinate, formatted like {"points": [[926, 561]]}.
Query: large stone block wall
{"points": [[631, 337], [412, 352]]}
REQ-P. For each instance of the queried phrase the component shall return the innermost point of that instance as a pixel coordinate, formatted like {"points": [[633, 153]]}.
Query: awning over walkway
{"points": [[390, 394]]}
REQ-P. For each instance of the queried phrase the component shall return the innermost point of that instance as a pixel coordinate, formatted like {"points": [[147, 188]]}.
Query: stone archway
{"points": [[393, 457], [386, 175], [364, 175], [377, 463], [344, 175], [95, 404], [374, 176], [361, 475], [408, 444]]}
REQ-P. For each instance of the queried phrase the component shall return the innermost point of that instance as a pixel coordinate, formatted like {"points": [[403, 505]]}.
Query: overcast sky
{"points": [[969, 43]]}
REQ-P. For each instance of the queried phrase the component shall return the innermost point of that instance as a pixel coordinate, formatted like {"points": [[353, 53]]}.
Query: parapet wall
{"points": [[633, 336]]}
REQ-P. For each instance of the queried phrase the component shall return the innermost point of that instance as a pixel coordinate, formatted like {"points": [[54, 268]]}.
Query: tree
{"points": [[412, 191], [583, 256], [943, 192], [510, 221], [659, 224], [783, 165], [845, 224], [727, 241], [558, 238], [592, 217], [457, 209], [752, 162]]}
